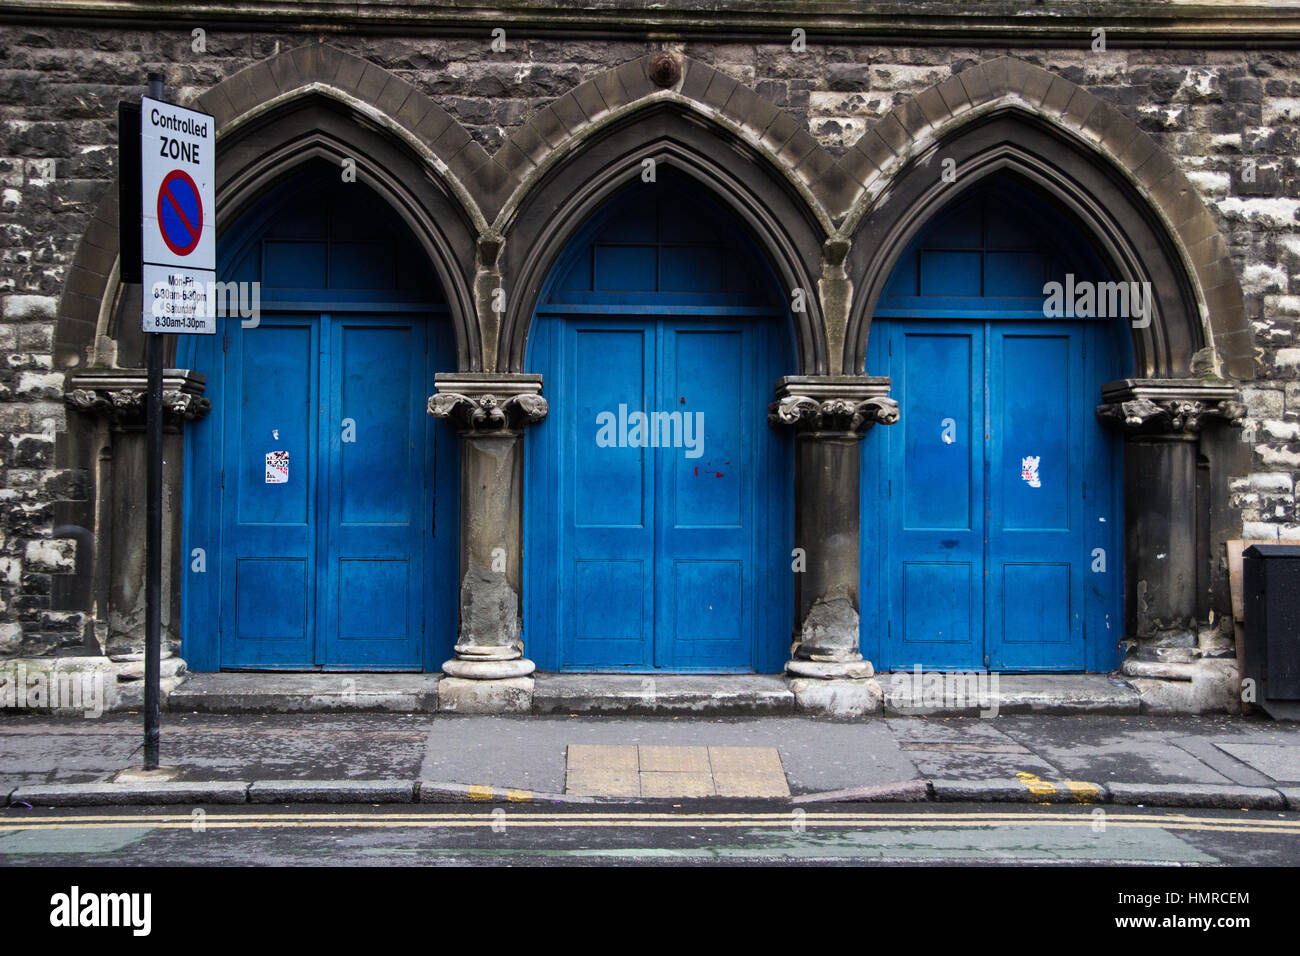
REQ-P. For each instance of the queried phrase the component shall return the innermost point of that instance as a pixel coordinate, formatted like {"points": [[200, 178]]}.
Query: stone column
{"points": [[489, 410], [1162, 421], [118, 395], [830, 414]]}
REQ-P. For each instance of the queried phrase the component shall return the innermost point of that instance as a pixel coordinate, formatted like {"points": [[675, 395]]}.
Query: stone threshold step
{"points": [[657, 694], [711, 695]]}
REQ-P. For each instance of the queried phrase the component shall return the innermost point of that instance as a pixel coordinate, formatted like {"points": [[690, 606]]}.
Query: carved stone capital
{"points": [[119, 396], [1175, 408], [839, 404], [484, 403]]}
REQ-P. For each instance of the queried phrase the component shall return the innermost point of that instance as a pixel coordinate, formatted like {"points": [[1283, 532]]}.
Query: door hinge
{"points": [[890, 491], [223, 479], [225, 340]]}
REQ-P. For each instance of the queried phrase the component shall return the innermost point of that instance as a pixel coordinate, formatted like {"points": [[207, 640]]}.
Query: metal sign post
{"points": [[175, 236]]}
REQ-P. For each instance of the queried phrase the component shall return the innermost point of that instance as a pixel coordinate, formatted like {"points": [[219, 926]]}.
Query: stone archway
{"points": [[1148, 225]]}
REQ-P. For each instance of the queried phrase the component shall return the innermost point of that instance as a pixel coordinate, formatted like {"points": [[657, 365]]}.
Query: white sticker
{"points": [[1029, 471], [277, 467]]}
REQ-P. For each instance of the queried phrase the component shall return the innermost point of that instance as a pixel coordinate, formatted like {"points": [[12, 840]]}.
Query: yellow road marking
{"points": [[1083, 791], [650, 821], [1039, 788]]}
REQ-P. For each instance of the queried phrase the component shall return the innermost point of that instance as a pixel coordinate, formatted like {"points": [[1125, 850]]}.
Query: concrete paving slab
{"points": [[1280, 763], [967, 764], [66, 757], [908, 730], [1128, 748], [325, 746]]}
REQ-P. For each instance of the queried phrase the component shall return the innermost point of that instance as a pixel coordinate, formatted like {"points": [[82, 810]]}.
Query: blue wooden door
{"points": [[657, 540], [320, 497], [987, 533], [990, 537], [324, 506], [662, 544]]}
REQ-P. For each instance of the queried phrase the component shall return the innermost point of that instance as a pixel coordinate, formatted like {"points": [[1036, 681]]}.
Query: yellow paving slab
{"points": [[603, 757], [674, 759], [668, 783], [603, 783], [750, 784], [745, 760], [626, 770]]}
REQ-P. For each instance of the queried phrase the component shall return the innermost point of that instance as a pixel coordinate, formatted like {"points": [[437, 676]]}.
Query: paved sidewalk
{"points": [[1179, 761]]}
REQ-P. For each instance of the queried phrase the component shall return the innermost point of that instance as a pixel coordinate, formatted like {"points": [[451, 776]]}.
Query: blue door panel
{"points": [[935, 602], [269, 529], [376, 452], [1036, 548], [609, 487], [706, 533]]}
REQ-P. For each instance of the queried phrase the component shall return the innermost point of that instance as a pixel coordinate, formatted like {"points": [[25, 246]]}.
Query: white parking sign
{"points": [[178, 209]]}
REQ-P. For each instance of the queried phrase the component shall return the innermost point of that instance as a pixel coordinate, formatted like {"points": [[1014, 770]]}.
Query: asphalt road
{"points": [[539, 835]]}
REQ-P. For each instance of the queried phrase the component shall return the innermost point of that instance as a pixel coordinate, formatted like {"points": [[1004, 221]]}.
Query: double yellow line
{"points": [[648, 820]]}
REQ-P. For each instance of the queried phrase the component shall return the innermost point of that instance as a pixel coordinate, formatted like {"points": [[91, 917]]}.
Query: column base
{"points": [[488, 669], [845, 699], [830, 670], [513, 695]]}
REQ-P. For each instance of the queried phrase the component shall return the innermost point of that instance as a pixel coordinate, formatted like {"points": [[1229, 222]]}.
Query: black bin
{"points": [[1271, 595]]}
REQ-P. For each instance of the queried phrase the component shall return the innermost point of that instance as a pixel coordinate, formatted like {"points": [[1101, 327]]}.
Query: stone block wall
{"points": [[1229, 118]]}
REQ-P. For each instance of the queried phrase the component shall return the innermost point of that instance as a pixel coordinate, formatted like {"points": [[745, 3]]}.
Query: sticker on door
{"points": [[277, 467]]}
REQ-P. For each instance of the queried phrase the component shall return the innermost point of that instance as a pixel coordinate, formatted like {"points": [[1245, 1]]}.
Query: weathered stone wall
{"points": [[1228, 117]]}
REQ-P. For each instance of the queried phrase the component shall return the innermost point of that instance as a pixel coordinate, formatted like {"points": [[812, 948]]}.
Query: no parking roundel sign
{"points": [[178, 216]]}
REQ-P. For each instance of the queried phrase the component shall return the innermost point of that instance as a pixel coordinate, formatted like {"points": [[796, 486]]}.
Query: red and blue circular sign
{"points": [[180, 212]]}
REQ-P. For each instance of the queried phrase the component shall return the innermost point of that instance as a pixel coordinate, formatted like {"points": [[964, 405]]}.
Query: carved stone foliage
{"points": [[125, 407], [853, 415], [1174, 417], [486, 413]]}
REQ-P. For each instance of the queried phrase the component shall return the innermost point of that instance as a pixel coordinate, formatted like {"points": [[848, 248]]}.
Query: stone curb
{"points": [[130, 794], [906, 791], [1015, 790], [1204, 796], [331, 791], [1012, 790]]}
